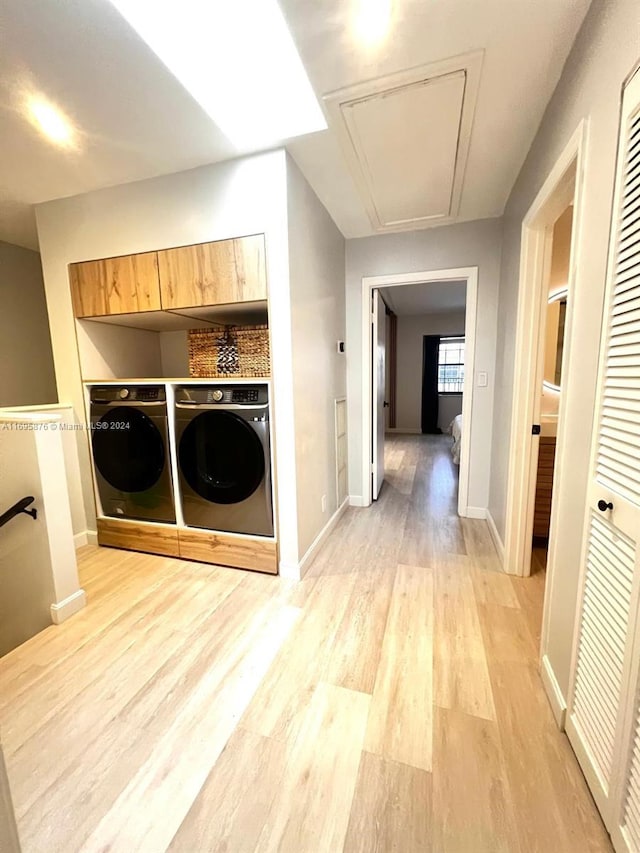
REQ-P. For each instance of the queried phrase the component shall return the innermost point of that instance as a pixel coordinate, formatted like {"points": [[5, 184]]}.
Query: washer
{"points": [[224, 462], [130, 449]]}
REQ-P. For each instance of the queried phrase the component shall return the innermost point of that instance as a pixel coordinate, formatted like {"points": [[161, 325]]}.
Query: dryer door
{"points": [[221, 457], [128, 449]]}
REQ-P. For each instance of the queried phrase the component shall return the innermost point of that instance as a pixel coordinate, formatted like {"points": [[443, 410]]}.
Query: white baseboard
{"points": [[289, 571], [66, 608], [318, 542], [476, 512], [296, 571], [497, 541], [357, 500], [87, 537], [554, 694], [404, 430]]}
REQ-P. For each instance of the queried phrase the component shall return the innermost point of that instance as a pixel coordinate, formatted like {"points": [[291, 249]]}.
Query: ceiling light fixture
{"points": [[237, 59], [50, 121], [373, 20]]}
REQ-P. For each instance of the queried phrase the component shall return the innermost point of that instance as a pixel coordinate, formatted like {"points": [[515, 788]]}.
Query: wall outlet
{"points": [[323, 503]]}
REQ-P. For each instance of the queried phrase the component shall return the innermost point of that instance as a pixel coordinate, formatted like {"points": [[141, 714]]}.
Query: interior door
{"points": [[378, 367], [602, 704]]}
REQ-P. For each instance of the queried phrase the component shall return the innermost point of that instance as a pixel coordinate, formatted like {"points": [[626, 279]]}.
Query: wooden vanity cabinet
{"points": [[544, 487], [121, 285], [217, 273]]}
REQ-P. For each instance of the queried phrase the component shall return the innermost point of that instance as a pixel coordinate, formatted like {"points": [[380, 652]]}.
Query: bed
{"points": [[455, 429]]}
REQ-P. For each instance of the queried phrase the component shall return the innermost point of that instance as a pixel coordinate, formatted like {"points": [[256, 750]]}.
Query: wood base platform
{"points": [[204, 546]]}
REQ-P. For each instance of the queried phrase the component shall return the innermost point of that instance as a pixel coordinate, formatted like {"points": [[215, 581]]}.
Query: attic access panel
{"points": [[406, 138]]}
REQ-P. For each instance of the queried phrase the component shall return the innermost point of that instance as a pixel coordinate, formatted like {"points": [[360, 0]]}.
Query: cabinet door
{"points": [[115, 285], [217, 273]]}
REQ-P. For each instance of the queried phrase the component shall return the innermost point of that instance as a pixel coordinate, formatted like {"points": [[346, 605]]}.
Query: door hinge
{"points": [[535, 429]]}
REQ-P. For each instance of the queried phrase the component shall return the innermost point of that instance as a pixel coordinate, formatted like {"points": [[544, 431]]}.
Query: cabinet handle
{"points": [[603, 506]]}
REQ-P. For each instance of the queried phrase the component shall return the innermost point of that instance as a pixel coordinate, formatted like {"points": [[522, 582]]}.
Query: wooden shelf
{"points": [[183, 319]]}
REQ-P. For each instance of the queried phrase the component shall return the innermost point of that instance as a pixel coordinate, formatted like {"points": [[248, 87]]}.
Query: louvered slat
{"points": [[619, 439], [603, 631], [631, 807]]}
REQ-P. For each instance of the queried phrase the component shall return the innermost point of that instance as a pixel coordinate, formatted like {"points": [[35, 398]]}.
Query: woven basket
{"points": [[235, 351]]}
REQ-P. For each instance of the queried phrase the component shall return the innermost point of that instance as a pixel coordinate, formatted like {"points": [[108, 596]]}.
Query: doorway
{"points": [[545, 288], [377, 417], [553, 337]]}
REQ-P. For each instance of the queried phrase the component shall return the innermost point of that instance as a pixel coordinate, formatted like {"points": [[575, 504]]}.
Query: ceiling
{"points": [[135, 121], [433, 297]]}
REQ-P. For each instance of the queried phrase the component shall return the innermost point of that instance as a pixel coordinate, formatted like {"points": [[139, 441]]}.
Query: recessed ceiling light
{"points": [[373, 20], [51, 122], [237, 59]]}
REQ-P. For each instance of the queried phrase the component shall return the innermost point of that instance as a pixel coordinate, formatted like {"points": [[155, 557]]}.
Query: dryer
{"points": [[224, 460], [130, 450]]}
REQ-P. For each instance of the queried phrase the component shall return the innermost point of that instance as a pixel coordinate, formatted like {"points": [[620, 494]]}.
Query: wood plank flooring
{"points": [[388, 703]]}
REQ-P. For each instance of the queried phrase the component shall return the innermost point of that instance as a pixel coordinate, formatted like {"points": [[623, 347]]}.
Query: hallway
{"points": [[388, 702]]}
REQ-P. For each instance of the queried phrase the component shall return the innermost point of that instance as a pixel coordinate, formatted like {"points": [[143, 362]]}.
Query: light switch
{"points": [[483, 379]]}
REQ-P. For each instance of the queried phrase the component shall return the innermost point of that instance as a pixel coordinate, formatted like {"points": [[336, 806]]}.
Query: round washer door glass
{"points": [[128, 449], [221, 457]]}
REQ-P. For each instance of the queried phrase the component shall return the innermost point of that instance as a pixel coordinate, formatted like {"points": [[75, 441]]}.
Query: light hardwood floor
{"points": [[389, 703]]}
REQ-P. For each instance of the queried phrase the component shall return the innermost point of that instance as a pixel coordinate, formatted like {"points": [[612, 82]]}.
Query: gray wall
{"points": [[316, 273], [27, 376], [411, 330], [468, 244], [605, 52]]}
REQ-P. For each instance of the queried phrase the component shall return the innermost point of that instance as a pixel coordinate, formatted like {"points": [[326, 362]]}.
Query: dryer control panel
{"points": [[236, 395]]}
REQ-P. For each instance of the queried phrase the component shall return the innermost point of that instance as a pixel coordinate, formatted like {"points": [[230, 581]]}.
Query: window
{"points": [[451, 365]]}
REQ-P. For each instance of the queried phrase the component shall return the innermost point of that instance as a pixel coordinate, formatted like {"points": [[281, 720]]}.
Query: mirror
{"points": [[556, 314]]}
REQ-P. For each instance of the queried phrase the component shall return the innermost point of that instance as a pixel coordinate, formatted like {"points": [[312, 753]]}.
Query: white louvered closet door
{"points": [[602, 718]]}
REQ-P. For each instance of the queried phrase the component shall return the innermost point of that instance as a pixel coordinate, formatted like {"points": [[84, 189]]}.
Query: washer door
{"points": [[128, 449], [221, 457]]}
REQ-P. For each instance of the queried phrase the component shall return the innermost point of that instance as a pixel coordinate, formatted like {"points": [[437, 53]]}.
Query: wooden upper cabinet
{"points": [[115, 285], [213, 273]]}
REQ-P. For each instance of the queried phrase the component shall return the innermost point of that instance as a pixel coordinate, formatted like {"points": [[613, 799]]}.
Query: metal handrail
{"points": [[17, 508]]}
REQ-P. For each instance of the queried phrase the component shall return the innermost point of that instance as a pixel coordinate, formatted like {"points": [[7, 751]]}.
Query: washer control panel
{"points": [[128, 393], [245, 395]]}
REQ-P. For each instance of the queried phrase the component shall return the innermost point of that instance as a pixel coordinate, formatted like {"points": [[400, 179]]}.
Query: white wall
{"points": [[38, 571], [108, 351], [26, 583], [411, 330], [605, 52], [316, 266], [244, 196], [174, 353], [27, 376], [468, 244]]}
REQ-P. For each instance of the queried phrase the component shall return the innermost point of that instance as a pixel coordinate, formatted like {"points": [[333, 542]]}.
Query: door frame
{"points": [[9, 840], [371, 283], [565, 183]]}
